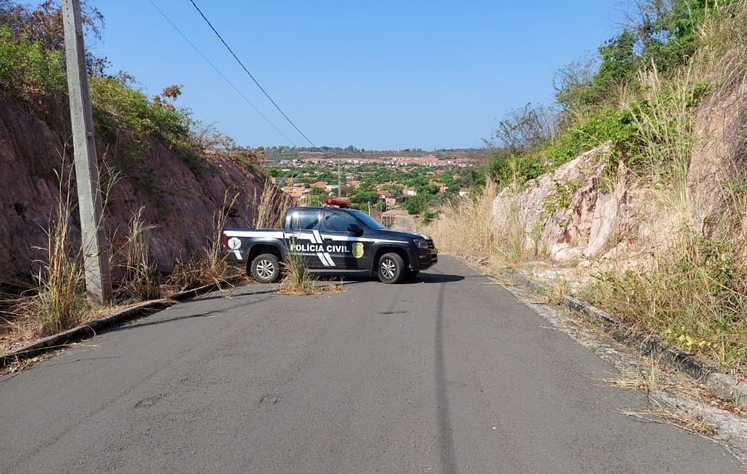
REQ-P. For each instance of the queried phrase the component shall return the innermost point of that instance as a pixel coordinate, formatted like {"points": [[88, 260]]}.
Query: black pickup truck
{"points": [[332, 239]]}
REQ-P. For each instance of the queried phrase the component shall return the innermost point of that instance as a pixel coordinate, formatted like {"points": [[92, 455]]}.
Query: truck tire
{"points": [[391, 268], [265, 268]]}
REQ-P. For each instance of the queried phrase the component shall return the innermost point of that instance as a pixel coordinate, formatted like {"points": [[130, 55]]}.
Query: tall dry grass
{"points": [[141, 279], [664, 124], [60, 286], [209, 267], [467, 226], [721, 59], [297, 279], [272, 207], [59, 302]]}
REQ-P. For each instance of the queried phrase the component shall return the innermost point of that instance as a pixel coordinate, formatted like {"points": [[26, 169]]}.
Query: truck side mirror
{"points": [[355, 229]]}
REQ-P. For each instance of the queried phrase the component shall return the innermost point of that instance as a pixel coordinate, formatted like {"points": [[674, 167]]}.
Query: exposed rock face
{"points": [[178, 201], [719, 153], [567, 215]]}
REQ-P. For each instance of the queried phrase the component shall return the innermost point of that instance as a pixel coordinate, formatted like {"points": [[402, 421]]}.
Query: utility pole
{"points": [[93, 232], [339, 188]]}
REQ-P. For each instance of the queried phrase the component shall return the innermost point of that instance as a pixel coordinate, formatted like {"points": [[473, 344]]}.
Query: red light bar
{"points": [[336, 202]]}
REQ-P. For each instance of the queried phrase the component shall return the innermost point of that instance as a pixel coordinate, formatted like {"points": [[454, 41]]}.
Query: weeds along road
{"points": [[445, 374]]}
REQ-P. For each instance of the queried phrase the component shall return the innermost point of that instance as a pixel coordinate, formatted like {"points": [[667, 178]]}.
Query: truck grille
{"points": [[430, 244]]}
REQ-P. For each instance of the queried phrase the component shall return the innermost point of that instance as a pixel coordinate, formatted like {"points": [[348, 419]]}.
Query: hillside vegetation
{"points": [[169, 183], [644, 148]]}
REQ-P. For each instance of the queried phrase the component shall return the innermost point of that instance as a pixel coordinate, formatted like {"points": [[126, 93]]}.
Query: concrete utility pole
{"points": [[339, 188], [93, 232]]}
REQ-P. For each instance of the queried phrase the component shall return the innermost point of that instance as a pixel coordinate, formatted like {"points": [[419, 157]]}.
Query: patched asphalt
{"points": [[447, 373]]}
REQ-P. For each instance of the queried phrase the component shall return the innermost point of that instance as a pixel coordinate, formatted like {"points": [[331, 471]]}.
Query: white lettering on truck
{"points": [[312, 248]]}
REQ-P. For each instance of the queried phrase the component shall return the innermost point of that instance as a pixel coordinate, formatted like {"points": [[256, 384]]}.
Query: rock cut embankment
{"points": [[177, 200]]}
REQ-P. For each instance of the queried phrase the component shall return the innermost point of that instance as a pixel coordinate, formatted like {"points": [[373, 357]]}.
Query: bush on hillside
{"points": [[32, 74], [29, 74]]}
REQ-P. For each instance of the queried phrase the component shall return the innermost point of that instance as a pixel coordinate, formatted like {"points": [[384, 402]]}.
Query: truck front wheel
{"points": [[266, 268], [391, 268]]}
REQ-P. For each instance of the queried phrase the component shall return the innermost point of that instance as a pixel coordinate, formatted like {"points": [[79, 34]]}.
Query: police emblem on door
{"points": [[357, 250]]}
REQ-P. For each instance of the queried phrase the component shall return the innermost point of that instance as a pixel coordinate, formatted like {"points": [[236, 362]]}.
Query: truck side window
{"points": [[305, 220], [338, 221]]}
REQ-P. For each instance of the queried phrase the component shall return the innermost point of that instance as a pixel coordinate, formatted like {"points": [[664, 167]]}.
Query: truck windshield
{"points": [[369, 221]]}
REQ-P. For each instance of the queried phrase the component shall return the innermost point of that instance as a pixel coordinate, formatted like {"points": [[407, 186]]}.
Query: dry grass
{"points": [[214, 268], [272, 207], [57, 300], [722, 57], [654, 381], [60, 301], [466, 226], [665, 126], [691, 423], [211, 267], [694, 295], [141, 279], [650, 378], [297, 279]]}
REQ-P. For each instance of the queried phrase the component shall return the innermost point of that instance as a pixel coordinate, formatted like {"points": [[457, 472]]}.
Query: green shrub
{"points": [[29, 74], [126, 117], [612, 125]]}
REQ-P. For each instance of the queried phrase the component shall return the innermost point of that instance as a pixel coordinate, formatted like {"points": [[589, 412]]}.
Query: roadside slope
{"points": [[178, 200]]}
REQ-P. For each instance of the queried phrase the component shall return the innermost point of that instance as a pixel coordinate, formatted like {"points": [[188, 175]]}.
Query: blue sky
{"points": [[377, 75]]}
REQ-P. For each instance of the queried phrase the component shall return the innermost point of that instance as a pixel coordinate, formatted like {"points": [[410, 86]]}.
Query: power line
{"points": [[249, 73], [220, 73]]}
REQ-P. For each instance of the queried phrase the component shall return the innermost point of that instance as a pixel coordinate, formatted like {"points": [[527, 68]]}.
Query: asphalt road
{"points": [[448, 374]]}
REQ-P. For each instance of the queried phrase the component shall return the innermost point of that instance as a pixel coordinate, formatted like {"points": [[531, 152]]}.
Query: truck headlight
{"points": [[420, 243]]}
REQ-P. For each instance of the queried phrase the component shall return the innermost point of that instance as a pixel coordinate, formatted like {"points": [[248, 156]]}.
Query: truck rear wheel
{"points": [[265, 268], [391, 268]]}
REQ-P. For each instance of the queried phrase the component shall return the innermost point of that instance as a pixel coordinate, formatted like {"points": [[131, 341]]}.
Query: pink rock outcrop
{"points": [[568, 214]]}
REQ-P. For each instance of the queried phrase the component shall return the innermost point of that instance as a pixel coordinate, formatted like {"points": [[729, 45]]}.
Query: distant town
{"points": [[377, 181]]}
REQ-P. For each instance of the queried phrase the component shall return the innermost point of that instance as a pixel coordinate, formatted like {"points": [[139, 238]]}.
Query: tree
{"points": [[418, 204], [43, 24], [318, 192], [524, 128]]}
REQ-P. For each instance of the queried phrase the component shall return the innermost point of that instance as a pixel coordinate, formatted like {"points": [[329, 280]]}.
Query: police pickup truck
{"points": [[331, 238]]}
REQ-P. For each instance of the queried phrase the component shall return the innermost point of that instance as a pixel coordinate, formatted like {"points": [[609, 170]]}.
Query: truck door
{"points": [[340, 243], [306, 239]]}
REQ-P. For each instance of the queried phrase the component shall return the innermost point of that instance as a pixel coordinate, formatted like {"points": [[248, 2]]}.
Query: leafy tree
{"points": [[663, 33], [417, 204], [364, 197], [318, 192], [428, 189]]}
